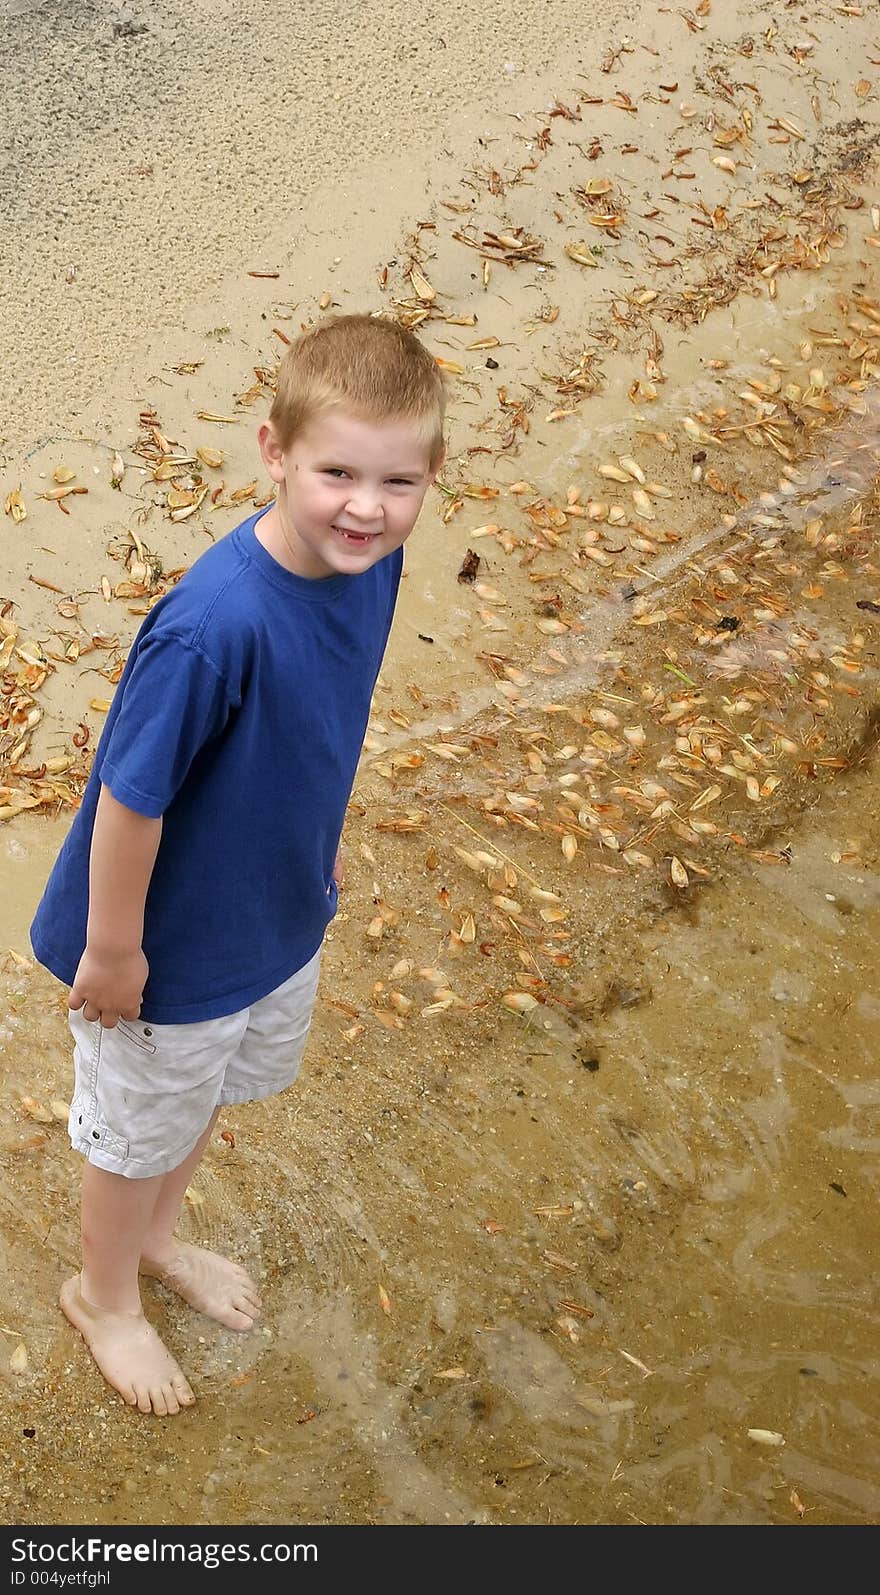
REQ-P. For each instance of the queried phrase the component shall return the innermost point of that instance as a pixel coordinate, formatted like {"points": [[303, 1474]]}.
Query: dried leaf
{"points": [[582, 254], [56, 494], [13, 504], [710, 795], [422, 288], [35, 1110], [470, 859], [643, 504], [508, 905]]}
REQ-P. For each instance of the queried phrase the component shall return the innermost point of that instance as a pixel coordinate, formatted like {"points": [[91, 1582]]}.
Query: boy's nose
{"points": [[365, 504]]}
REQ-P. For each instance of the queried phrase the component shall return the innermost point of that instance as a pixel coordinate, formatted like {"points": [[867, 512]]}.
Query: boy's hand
{"points": [[110, 986], [338, 866]]}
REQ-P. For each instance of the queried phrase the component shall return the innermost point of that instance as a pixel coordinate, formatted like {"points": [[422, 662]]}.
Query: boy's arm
{"points": [[112, 972]]}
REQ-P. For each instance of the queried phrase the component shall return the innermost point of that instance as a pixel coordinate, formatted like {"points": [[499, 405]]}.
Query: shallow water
{"points": [[687, 1179]]}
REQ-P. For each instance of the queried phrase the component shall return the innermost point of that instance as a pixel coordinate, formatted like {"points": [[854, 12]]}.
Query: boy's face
{"points": [[349, 492]]}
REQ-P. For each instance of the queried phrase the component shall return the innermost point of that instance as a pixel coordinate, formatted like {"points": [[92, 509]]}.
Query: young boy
{"points": [[187, 907]]}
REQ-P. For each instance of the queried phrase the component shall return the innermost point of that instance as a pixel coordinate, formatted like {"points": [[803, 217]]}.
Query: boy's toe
{"points": [[240, 1320], [183, 1391], [170, 1403]]}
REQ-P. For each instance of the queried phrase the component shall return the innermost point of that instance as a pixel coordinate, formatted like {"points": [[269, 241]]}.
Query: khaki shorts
{"points": [[143, 1094]]}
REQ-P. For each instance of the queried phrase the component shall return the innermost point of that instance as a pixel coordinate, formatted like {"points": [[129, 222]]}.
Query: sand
{"points": [[182, 208], [152, 153]]}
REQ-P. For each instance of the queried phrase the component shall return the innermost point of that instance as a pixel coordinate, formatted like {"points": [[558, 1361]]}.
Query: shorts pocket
{"points": [[87, 1125], [139, 1038]]}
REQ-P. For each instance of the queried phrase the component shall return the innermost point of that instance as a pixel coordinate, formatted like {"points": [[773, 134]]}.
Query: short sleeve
{"points": [[174, 701]]}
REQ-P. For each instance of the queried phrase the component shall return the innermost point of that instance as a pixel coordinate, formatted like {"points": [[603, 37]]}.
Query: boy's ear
{"points": [[272, 452], [436, 469]]}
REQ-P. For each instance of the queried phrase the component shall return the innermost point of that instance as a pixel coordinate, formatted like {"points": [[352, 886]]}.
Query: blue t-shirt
{"points": [[239, 718]]}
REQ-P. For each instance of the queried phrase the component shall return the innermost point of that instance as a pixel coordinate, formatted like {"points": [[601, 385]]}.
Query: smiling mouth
{"points": [[359, 539]]}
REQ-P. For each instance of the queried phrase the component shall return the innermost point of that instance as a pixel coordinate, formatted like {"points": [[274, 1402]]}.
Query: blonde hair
{"points": [[371, 367]]}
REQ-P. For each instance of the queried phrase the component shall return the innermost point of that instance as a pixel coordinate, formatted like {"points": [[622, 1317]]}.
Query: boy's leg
{"points": [[103, 1301], [210, 1283]]}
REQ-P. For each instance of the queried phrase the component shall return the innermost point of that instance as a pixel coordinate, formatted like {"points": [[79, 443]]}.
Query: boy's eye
{"points": [[395, 481]]}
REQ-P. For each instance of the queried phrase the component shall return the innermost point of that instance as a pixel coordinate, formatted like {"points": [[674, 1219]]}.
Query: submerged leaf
{"points": [[678, 873], [519, 1002]]}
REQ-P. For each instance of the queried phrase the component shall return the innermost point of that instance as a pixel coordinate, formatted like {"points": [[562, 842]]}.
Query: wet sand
{"points": [[575, 1188]]}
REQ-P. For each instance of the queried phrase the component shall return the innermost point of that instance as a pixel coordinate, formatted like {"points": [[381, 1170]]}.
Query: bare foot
{"points": [[210, 1283], [129, 1354]]}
